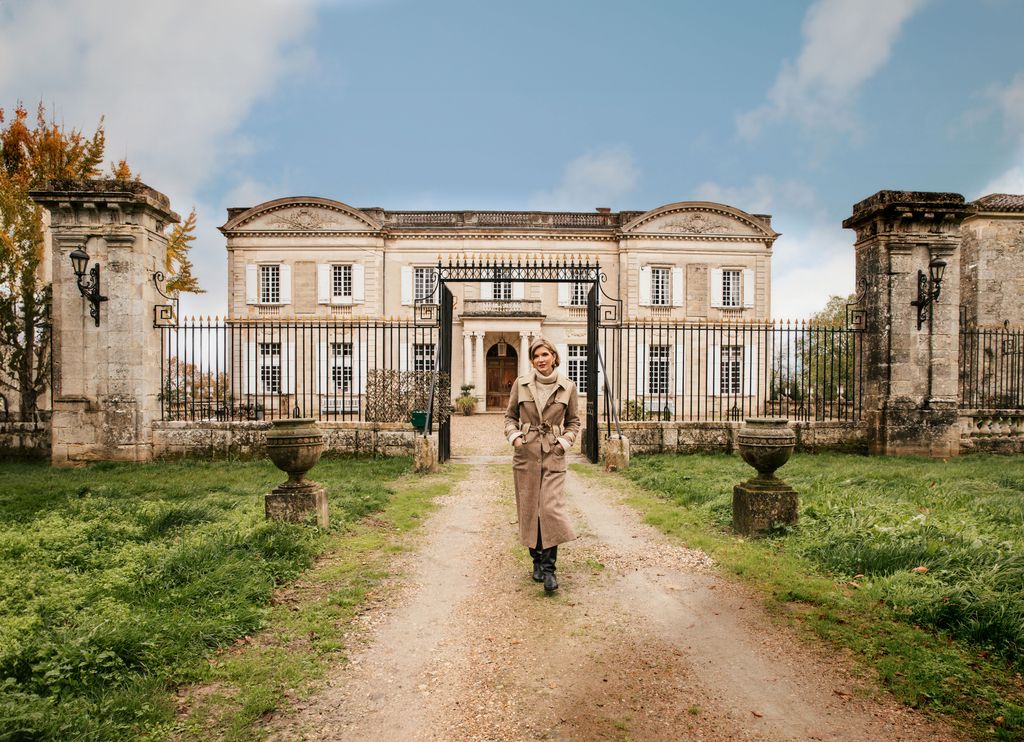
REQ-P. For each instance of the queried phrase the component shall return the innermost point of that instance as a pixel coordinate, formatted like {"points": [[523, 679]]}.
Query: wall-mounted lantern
{"points": [[928, 289], [89, 287]]}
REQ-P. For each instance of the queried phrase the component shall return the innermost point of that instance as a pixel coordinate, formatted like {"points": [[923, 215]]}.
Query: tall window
{"points": [[423, 357], [341, 367], [732, 369], [578, 298], [270, 367], [576, 366], [423, 283], [502, 290], [659, 286], [270, 284], [341, 281], [657, 369], [731, 290]]}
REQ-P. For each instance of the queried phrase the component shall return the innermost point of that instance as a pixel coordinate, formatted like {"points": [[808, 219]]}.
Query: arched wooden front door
{"points": [[502, 372]]}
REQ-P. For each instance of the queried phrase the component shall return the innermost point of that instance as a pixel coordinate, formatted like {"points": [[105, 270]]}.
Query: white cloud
{"points": [[763, 195], [845, 43], [810, 265], [174, 81], [591, 180], [1008, 102]]}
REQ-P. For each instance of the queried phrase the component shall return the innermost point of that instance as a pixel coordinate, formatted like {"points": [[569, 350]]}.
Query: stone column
{"points": [[106, 379], [480, 375], [909, 375], [467, 358], [524, 352]]}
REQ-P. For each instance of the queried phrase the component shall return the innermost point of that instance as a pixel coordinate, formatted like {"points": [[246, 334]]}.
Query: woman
{"points": [[541, 424]]}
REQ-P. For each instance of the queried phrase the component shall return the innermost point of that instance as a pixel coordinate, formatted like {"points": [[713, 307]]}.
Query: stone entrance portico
{"points": [[480, 334]]}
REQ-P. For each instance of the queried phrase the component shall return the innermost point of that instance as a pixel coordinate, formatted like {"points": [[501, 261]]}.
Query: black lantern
{"points": [[928, 289], [88, 287]]}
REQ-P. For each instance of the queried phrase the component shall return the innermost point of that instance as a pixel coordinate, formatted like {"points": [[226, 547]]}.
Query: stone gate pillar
{"points": [[910, 375], [106, 379]]}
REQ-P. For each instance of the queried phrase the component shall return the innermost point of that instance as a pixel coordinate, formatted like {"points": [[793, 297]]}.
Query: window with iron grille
{"points": [[732, 369], [423, 283], [341, 281], [576, 367], [579, 294], [270, 367], [731, 290], [270, 284], [341, 367], [502, 290], [423, 357], [657, 369], [659, 286]]}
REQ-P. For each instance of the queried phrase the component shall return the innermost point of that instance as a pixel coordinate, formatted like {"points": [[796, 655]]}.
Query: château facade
{"points": [[304, 259]]}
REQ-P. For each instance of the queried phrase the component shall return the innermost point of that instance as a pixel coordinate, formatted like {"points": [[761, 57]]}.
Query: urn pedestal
{"points": [[295, 445], [759, 504]]}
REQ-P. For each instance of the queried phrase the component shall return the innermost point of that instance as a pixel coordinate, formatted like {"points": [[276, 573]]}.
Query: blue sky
{"points": [[798, 109]]}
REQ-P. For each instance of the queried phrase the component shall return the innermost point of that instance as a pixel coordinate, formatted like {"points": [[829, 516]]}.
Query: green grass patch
{"points": [[121, 581], [916, 565]]}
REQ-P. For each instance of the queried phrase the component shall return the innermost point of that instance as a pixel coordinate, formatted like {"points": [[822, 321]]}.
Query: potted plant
{"points": [[466, 402]]}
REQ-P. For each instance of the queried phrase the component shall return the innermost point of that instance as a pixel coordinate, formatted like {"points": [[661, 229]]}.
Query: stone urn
{"points": [[294, 445], [766, 443], [765, 501]]}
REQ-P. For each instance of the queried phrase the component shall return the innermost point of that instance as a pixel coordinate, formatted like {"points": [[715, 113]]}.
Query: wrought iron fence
{"points": [[731, 371], [330, 370], [991, 368]]}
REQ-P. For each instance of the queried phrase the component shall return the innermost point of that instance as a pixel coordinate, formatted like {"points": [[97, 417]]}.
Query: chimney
{"points": [[604, 210]]}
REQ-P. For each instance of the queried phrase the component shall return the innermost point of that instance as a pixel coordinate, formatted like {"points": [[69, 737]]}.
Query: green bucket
{"points": [[419, 419]]}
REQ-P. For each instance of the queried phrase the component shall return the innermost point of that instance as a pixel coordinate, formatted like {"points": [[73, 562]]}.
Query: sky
{"points": [[798, 109]]}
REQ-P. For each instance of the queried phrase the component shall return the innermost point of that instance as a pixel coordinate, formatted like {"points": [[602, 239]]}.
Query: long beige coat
{"points": [[538, 467]]}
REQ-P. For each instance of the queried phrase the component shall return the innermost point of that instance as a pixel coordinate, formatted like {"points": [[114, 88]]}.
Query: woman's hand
{"points": [[559, 449], [517, 442]]}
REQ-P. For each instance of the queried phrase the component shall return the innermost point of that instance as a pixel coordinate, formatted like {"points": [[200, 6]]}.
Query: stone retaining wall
{"points": [[992, 431], [25, 440], [248, 439], [720, 437]]}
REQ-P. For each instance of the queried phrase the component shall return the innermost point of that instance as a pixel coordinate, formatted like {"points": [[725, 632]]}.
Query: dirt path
{"points": [[642, 641]]}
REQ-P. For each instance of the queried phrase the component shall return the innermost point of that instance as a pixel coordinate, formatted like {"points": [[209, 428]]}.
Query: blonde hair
{"points": [[542, 342]]}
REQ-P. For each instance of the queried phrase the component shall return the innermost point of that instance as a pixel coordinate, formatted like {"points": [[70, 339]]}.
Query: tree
{"points": [[29, 157], [827, 351], [177, 266]]}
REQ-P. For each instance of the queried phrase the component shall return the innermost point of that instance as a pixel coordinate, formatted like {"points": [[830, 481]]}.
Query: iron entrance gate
{"points": [[437, 308]]}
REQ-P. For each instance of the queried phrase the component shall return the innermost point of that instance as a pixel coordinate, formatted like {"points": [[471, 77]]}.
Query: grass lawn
{"points": [[121, 583], [915, 565]]}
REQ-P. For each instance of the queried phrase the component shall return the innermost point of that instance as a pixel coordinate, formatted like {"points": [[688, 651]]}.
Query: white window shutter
{"points": [[286, 283], [563, 357], [645, 286], [358, 283], [323, 283], [518, 290], [748, 287], [600, 378], [251, 363], [288, 368], [407, 288], [714, 371], [403, 357], [642, 370], [680, 369], [359, 369], [324, 369], [750, 370], [564, 294], [677, 287], [486, 290], [252, 295], [716, 287]]}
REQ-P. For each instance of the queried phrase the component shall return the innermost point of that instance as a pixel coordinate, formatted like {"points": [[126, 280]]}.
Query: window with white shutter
{"points": [[270, 284]]}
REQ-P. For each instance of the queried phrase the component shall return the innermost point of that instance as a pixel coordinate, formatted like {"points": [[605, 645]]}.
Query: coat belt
{"points": [[548, 434]]}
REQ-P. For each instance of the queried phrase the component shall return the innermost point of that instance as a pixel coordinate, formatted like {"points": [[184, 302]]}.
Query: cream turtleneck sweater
{"points": [[545, 386]]}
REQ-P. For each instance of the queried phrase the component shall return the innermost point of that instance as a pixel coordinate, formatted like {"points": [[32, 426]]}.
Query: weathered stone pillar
{"points": [[106, 379], [481, 373], [909, 375], [467, 358]]}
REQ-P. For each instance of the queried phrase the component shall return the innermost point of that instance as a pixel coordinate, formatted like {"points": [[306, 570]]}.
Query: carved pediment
{"points": [[700, 220], [302, 215]]}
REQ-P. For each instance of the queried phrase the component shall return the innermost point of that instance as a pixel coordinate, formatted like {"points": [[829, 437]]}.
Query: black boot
{"points": [[548, 568], [538, 568]]}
